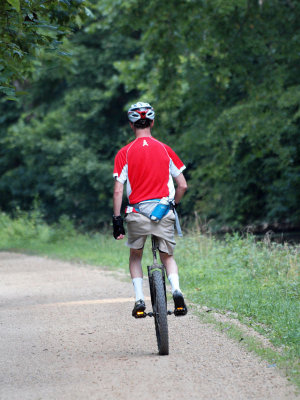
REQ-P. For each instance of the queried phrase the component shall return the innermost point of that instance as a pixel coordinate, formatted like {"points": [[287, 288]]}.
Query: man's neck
{"points": [[139, 133]]}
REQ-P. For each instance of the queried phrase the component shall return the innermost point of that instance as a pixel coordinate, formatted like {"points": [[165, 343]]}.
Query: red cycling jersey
{"points": [[148, 166]]}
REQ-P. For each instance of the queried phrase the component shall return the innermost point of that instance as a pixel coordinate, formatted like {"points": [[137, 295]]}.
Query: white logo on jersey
{"points": [[145, 143]]}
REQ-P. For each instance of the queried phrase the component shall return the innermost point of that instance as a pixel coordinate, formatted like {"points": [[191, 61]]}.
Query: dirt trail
{"points": [[66, 332]]}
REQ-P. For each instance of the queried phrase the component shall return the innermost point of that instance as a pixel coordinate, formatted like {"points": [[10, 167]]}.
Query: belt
{"points": [[134, 208]]}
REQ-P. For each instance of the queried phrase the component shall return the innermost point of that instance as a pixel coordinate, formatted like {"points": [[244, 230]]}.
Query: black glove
{"points": [[118, 226], [174, 205]]}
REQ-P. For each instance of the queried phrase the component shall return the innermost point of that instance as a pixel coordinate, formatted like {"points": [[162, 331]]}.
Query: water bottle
{"points": [[160, 210]]}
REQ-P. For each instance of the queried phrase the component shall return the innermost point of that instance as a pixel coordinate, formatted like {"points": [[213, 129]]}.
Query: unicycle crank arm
{"points": [[150, 314], [143, 314]]}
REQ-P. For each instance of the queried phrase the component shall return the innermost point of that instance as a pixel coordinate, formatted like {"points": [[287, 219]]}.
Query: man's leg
{"points": [[136, 272], [172, 273], [172, 270], [135, 263]]}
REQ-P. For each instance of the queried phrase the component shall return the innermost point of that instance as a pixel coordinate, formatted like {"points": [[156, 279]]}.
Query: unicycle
{"points": [[157, 283]]}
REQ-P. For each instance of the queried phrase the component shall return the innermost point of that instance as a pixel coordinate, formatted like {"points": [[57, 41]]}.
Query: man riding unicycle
{"points": [[148, 167]]}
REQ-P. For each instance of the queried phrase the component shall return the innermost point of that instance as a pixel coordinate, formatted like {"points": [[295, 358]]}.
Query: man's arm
{"points": [[119, 231], [181, 187], [118, 196]]}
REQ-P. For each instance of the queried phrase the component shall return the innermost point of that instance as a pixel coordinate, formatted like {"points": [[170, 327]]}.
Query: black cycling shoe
{"points": [[139, 309], [180, 306]]}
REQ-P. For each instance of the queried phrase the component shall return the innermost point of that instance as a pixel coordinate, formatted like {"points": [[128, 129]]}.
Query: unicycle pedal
{"points": [[140, 314], [180, 311], [139, 309]]}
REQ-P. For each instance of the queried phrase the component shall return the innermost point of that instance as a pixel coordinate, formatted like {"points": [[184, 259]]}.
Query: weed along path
{"points": [[67, 333]]}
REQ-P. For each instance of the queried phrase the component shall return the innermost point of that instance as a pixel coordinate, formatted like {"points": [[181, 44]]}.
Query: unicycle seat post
{"points": [[154, 248]]}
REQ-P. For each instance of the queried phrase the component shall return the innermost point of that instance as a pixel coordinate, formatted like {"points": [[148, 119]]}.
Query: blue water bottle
{"points": [[160, 210]]}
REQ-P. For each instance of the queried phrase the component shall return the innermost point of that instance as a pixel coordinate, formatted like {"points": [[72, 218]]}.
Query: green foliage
{"points": [[259, 281], [222, 76], [226, 89], [253, 161], [30, 226], [27, 27], [61, 148]]}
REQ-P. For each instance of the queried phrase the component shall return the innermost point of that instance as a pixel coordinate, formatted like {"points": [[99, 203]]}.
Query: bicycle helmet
{"points": [[140, 111]]}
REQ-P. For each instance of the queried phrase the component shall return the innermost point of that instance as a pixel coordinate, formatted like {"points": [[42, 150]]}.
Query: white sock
{"points": [[138, 288], [174, 281]]}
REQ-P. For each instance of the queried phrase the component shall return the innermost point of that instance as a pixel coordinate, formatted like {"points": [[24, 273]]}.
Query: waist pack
{"points": [[147, 208]]}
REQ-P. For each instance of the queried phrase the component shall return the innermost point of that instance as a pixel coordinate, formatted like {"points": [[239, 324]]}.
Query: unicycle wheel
{"points": [[160, 313]]}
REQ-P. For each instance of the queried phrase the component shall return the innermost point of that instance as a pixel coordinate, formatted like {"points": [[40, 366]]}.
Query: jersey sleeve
{"points": [[120, 167], [176, 165]]}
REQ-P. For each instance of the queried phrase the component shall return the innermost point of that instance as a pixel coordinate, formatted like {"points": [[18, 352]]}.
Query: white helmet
{"points": [[139, 111]]}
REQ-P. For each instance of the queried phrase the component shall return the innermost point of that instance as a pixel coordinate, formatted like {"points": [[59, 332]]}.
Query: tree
{"points": [[26, 28], [223, 78], [59, 152]]}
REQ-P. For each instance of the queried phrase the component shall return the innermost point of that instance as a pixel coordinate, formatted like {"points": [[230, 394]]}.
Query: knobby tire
{"points": [[160, 313]]}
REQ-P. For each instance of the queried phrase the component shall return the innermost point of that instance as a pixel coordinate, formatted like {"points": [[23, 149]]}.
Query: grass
{"points": [[257, 282]]}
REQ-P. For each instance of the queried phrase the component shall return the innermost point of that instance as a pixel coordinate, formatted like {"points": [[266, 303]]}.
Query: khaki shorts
{"points": [[139, 227]]}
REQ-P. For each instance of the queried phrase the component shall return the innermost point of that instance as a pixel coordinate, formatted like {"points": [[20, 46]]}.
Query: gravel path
{"points": [[67, 333]]}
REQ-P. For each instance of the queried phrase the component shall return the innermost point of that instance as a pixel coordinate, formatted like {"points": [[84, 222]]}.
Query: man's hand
{"points": [[174, 205], [119, 231]]}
